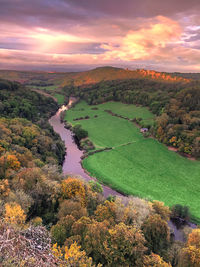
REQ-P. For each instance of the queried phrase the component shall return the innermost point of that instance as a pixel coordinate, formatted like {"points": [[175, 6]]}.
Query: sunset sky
{"points": [[73, 35]]}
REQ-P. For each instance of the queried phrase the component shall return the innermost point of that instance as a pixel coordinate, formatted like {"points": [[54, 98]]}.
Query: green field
{"points": [[60, 98], [48, 88], [145, 167], [107, 130]]}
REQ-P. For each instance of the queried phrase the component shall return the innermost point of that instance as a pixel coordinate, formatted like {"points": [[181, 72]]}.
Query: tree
{"points": [[106, 211], [14, 214], [157, 234], [8, 162], [73, 188], [155, 260], [124, 246], [180, 212], [79, 132], [190, 255], [62, 229], [70, 207], [72, 256], [93, 236], [162, 210], [59, 234], [4, 188], [95, 186]]}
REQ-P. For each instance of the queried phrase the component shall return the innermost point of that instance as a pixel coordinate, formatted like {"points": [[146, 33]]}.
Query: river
{"points": [[72, 162]]}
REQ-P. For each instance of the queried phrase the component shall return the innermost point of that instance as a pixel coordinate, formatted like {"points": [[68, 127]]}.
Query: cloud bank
{"points": [[59, 34]]}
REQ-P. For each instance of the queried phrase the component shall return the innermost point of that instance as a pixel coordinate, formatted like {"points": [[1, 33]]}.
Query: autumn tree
{"points": [[157, 234], [190, 255], [93, 235], [70, 207], [124, 246], [14, 214], [72, 256], [62, 229], [155, 260], [106, 211], [161, 209], [8, 162], [4, 188], [73, 188]]}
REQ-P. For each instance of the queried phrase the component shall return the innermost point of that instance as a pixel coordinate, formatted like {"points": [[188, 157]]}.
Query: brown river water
{"points": [[72, 163]]}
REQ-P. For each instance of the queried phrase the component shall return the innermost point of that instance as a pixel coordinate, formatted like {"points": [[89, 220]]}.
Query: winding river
{"points": [[72, 163]]}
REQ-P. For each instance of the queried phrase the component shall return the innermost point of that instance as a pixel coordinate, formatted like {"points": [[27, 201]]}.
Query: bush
{"points": [[79, 132], [95, 186], [181, 212]]}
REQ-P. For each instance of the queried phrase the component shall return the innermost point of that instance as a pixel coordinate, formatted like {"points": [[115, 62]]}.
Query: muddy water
{"points": [[72, 162]]}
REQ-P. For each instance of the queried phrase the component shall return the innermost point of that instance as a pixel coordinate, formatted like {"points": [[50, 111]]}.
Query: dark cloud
{"points": [[135, 8], [63, 13]]}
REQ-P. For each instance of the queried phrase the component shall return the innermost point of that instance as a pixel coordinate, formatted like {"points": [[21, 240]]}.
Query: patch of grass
{"points": [[60, 98], [48, 88], [148, 169]]}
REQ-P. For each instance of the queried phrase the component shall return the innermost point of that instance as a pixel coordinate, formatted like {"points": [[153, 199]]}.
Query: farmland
{"points": [[106, 130], [136, 165]]}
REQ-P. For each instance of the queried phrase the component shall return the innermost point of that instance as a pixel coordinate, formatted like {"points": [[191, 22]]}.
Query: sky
{"points": [[73, 35]]}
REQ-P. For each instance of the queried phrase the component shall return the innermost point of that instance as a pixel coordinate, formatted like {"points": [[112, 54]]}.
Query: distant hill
{"points": [[111, 73], [90, 77]]}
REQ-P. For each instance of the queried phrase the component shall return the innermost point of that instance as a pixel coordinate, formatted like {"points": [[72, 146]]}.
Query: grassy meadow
{"points": [[60, 98], [47, 88], [106, 130], [144, 167]]}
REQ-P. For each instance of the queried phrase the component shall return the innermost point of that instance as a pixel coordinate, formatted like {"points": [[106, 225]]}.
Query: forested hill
{"points": [[111, 73]]}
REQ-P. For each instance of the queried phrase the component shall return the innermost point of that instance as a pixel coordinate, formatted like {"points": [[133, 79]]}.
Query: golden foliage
{"points": [[73, 256], [4, 188], [73, 188], [194, 238], [57, 252], [106, 211], [161, 209], [190, 255], [8, 162], [155, 260], [14, 214], [36, 221]]}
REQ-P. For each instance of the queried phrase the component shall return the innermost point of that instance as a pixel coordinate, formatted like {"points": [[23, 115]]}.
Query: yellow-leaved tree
{"points": [[155, 260], [190, 255], [14, 214], [73, 188], [73, 256]]}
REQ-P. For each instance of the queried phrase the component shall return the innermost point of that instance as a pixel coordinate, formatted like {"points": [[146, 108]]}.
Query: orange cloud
{"points": [[145, 43]]}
